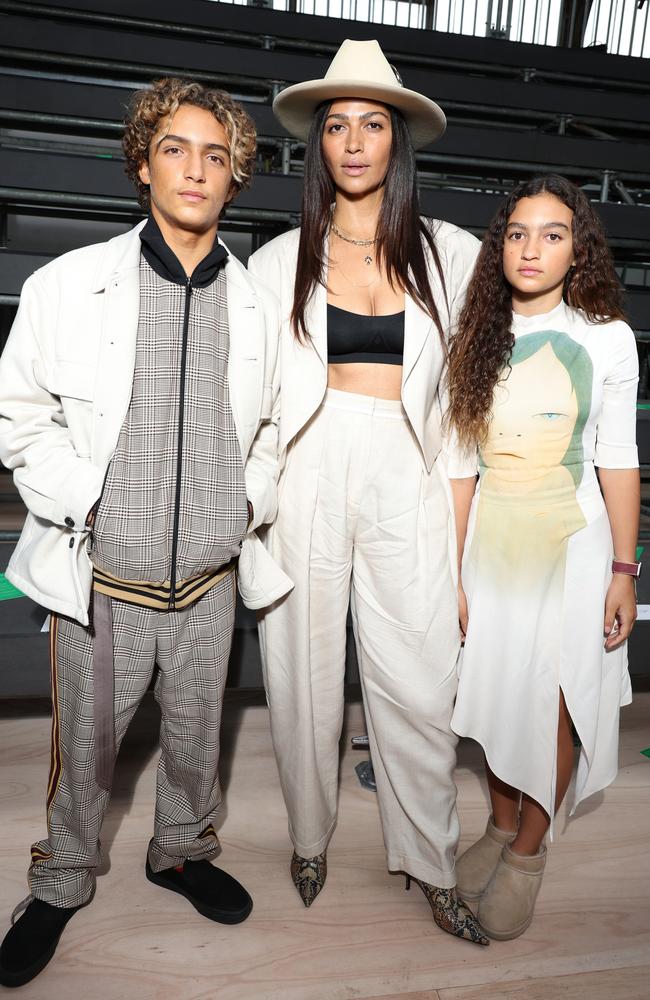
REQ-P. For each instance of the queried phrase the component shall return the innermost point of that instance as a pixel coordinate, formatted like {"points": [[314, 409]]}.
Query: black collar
{"points": [[166, 264]]}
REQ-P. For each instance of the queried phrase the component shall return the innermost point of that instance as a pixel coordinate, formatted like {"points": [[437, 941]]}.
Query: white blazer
{"points": [[304, 367], [66, 376]]}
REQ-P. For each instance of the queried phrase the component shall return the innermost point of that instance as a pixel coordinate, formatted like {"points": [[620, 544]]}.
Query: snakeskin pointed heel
{"points": [[309, 875], [450, 912]]}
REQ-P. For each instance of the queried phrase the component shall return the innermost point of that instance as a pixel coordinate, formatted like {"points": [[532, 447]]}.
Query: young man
{"points": [[138, 410]]}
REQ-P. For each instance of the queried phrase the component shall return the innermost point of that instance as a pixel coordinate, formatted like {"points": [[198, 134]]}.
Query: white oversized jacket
{"points": [[66, 376], [304, 368]]}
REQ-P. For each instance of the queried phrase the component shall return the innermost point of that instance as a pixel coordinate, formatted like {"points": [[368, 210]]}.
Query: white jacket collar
{"points": [[122, 253]]}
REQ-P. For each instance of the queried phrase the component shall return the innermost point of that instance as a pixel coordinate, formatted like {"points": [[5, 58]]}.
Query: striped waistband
{"points": [[159, 595]]}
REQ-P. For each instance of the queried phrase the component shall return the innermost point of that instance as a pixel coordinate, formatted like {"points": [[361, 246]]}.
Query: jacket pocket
{"points": [[74, 384], [73, 380]]}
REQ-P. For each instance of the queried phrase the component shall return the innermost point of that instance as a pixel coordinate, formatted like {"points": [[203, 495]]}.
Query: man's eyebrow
{"points": [[188, 142]]}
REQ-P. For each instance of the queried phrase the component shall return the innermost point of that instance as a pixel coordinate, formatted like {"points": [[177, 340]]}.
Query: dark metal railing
{"points": [[621, 27]]}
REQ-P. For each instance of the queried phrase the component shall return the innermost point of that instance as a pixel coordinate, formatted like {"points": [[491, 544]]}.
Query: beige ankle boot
{"points": [[507, 905], [476, 866]]}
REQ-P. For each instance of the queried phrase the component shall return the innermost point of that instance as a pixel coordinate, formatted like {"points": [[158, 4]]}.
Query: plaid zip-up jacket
{"points": [[65, 383]]}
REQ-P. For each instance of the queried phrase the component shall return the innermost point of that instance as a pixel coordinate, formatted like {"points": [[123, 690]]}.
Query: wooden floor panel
{"points": [[365, 937], [628, 984]]}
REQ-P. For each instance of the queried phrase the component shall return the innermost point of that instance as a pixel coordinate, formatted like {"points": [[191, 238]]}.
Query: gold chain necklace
{"points": [[357, 243], [355, 284]]}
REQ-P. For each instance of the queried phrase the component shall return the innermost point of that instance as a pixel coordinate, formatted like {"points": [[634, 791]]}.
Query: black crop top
{"points": [[354, 337]]}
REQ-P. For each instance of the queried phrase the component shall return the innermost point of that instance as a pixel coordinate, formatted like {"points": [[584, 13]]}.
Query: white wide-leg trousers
{"points": [[361, 521]]}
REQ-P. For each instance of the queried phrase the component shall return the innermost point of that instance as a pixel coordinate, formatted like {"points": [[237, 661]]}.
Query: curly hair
{"points": [[481, 348], [148, 108]]}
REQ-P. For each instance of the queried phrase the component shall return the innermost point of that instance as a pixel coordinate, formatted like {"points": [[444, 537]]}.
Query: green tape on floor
{"points": [[7, 590], [646, 752], [639, 552]]}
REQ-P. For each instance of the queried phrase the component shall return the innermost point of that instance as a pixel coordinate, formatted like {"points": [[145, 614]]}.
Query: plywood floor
{"points": [[365, 937]]}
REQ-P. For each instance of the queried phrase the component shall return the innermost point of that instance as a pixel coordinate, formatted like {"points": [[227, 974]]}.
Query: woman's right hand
{"points": [[463, 613]]}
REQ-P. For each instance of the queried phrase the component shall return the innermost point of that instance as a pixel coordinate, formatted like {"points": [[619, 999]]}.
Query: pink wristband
{"points": [[629, 568]]}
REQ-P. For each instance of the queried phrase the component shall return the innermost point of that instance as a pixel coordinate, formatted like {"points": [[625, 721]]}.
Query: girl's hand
{"points": [[463, 613], [620, 610]]}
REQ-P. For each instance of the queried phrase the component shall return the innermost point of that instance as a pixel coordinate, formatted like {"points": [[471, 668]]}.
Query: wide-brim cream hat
{"points": [[360, 69]]}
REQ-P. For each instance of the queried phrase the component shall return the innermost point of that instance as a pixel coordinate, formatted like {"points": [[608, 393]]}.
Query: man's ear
{"points": [[232, 191], [143, 173]]}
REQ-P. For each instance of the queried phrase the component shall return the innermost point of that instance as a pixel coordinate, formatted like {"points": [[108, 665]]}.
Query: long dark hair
{"points": [[401, 234], [482, 345]]}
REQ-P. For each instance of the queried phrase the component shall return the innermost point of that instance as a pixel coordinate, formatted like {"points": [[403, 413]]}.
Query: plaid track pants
{"points": [[191, 648]]}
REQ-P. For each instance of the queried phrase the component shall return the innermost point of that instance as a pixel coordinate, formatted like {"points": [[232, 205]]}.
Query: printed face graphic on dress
{"points": [[532, 460], [534, 416], [357, 141], [189, 171], [538, 252]]}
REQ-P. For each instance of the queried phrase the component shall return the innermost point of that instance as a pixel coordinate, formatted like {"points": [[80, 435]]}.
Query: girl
{"points": [[543, 375], [368, 291]]}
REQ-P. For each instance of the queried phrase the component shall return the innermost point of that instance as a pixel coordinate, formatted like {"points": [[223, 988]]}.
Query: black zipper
{"points": [[179, 449]]}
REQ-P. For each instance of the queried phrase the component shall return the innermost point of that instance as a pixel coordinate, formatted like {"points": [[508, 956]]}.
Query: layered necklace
{"points": [[368, 259]]}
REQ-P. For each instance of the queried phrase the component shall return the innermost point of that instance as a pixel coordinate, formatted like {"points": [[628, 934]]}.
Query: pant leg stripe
{"points": [[55, 757], [40, 855]]}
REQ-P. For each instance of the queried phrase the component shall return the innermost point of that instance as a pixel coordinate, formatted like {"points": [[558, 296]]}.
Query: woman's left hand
{"points": [[620, 610]]}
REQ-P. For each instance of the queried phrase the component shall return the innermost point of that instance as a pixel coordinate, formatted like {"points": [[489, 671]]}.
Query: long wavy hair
{"points": [[401, 234], [482, 345]]}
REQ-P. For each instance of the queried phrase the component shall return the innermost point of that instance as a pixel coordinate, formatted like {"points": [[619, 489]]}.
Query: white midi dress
{"points": [[537, 561]]}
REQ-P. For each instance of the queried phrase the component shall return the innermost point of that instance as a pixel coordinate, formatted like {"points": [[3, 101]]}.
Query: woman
{"points": [[553, 368], [367, 291]]}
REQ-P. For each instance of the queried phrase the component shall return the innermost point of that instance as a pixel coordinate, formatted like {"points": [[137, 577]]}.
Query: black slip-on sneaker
{"points": [[31, 942], [213, 892]]}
